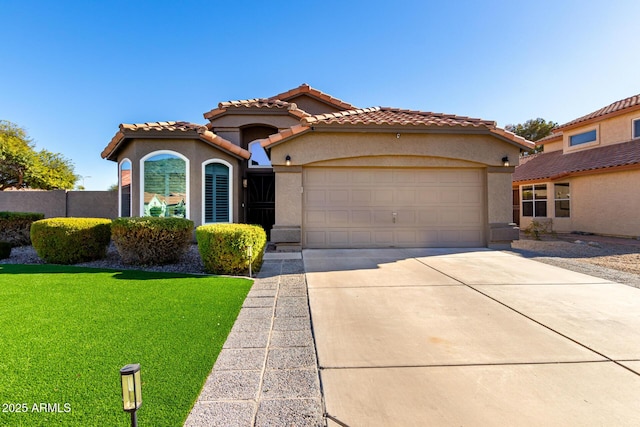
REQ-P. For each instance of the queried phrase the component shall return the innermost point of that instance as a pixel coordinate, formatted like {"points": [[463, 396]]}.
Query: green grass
{"points": [[65, 332]]}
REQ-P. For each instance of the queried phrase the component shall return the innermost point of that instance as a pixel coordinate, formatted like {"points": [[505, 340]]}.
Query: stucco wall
{"points": [[61, 203], [609, 131], [197, 152], [607, 203], [409, 150]]}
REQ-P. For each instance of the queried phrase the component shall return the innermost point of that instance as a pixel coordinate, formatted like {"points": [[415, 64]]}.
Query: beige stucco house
{"points": [[588, 177], [318, 172]]}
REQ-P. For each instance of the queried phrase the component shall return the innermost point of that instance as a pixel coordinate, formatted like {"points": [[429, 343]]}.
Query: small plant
{"points": [[5, 250], [71, 240], [538, 228], [15, 227], [151, 240], [224, 248]]}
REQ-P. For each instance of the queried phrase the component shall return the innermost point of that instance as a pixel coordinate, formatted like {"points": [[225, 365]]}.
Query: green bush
{"points": [[223, 247], [150, 240], [71, 240], [5, 250], [15, 227]]}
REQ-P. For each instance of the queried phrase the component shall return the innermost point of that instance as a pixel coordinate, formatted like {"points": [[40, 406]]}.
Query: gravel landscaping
{"points": [[614, 259], [609, 258]]}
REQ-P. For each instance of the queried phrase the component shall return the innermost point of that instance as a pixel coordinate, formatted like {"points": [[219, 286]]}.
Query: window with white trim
{"points": [[534, 200], [562, 195], [636, 128], [583, 138], [164, 176], [217, 192]]}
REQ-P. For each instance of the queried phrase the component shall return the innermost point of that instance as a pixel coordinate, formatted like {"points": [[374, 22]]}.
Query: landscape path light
{"points": [[131, 390]]}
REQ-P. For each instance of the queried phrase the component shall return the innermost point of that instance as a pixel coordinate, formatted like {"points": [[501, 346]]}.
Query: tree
{"points": [[21, 166], [533, 130]]}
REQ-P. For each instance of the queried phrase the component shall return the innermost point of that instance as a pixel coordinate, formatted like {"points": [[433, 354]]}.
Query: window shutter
{"points": [[216, 182]]}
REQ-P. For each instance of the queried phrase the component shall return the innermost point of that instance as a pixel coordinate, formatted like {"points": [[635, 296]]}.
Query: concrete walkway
{"points": [[266, 374], [471, 337]]}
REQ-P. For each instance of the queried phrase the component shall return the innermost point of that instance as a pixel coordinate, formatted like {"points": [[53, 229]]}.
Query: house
{"points": [[319, 172], [588, 177]]}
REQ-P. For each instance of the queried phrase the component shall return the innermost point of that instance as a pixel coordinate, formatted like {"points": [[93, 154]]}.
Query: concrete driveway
{"points": [[437, 337]]}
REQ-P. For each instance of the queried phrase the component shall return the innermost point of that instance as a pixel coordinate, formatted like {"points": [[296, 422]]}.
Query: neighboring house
{"points": [[318, 172], [588, 177]]}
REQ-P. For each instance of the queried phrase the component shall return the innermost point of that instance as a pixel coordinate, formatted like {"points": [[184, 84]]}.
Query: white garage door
{"points": [[386, 207]]}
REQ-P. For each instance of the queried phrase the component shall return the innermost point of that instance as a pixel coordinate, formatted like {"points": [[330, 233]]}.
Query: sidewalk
{"points": [[267, 372]]}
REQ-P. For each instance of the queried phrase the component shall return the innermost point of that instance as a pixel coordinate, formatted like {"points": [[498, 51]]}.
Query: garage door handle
{"points": [[395, 216]]}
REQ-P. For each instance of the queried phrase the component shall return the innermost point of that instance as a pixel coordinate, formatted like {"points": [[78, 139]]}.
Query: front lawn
{"points": [[65, 332]]}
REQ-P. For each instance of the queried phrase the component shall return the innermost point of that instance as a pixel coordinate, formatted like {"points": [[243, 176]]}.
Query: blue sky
{"points": [[72, 71]]}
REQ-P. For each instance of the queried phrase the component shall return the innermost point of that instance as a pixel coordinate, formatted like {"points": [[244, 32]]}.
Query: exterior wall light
{"points": [[131, 390], [287, 160], [505, 161]]}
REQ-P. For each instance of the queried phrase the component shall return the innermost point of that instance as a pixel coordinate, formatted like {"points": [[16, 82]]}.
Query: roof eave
{"points": [[574, 124]]}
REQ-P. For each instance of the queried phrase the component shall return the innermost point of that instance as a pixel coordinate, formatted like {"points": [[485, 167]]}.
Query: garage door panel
{"points": [[384, 237], [383, 196], [338, 217], [315, 198], [361, 238], [361, 218], [362, 196], [355, 207]]}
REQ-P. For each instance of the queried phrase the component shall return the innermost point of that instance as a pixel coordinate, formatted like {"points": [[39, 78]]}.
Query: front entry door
{"points": [[261, 200]]}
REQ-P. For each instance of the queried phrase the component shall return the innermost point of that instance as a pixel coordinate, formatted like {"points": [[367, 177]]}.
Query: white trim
{"points": [[203, 199], [187, 191], [126, 159]]}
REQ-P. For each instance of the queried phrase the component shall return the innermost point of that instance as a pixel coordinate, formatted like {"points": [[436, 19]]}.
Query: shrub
{"points": [[5, 250], [223, 247], [71, 240], [150, 240], [15, 227], [538, 228]]}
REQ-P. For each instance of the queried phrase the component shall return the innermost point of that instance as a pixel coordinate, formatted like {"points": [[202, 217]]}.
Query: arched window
{"points": [[217, 201], [165, 185], [125, 188]]}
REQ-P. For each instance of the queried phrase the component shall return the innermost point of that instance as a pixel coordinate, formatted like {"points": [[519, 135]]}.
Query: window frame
{"points": [[230, 189], [568, 136], [533, 200], [565, 199], [187, 213], [635, 122], [126, 159]]}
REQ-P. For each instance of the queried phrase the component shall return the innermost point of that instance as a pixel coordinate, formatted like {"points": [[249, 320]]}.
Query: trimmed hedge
{"points": [[150, 240], [15, 227], [223, 247], [71, 240]]}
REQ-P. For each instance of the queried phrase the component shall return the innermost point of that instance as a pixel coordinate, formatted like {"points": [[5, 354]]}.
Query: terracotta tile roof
{"points": [[556, 135], [308, 90], [256, 103], [177, 129], [285, 134], [555, 164], [619, 107], [393, 117]]}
